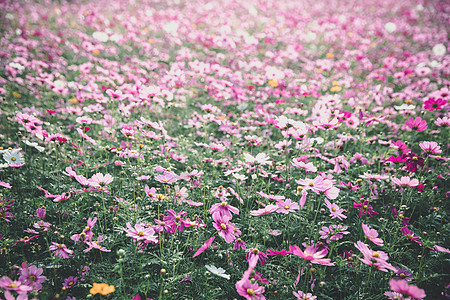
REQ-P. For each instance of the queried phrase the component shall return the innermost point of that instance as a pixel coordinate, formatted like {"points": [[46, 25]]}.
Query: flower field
{"points": [[224, 149]]}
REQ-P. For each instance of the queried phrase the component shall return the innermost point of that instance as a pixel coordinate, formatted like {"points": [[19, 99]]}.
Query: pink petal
{"points": [[204, 247]]}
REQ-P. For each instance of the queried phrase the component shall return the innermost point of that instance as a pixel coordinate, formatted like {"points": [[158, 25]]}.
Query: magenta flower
{"points": [[372, 235], [175, 220], [410, 235], [204, 246], [416, 124], [61, 250], [239, 244], [402, 287], [364, 208], [412, 161], [225, 228], [70, 282], [434, 104], [255, 252], [96, 245], [223, 209], [287, 206], [312, 254], [250, 291], [335, 211], [275, 252], [32, 276]]}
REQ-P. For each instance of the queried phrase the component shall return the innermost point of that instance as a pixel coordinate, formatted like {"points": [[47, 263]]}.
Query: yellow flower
{"points": [[16, 94], [96, 52], [102, 288], [330, 55], [336, 88], [273, 82]]}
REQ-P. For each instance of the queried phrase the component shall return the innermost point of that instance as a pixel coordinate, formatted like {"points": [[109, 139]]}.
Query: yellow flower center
{"points": [[311, 184], [223, 226], [13, 159], [223, 203], [376, 254], [32, 278], [333, 209], [13, 285], [140, 233], [286, 207], [250, 292]]}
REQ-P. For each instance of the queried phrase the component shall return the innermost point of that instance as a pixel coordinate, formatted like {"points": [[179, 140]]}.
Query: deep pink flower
{"points": [[223, 209], [239, 244], [402, 287], [416, 124], [225, 228], [410, 235], [204, 246], [364, 208], [274, 252], [312, 254], [70, 282], [255, 252], [434, 104]]}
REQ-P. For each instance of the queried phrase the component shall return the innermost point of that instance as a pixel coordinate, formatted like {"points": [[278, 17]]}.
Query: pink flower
{"points": [[17, 286], [304, 296], [223, 209], [434, 104], [287, 206], [166, 177], [100, 180], [335, 211], [5, 184], [312, 254], [141, 233], [430, 147], [61, 250], [376, 259], [405, 181], [372, 235], [32, 276], [364, 208], [226, 229], [262, 211], [248, 290], [416, 124], [402, 287], [204, 246], [309, 167]]}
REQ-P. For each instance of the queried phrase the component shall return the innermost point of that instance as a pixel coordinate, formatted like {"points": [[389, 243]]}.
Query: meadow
{"points": [[224, 149]]}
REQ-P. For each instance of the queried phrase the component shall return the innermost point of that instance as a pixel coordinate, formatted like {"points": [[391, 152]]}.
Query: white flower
{"points": [[390, 27], [239, 176], [13, 157], [261, 158], [404, 106], [100, 36], [439, 49], [34, 145], [217, 271]]}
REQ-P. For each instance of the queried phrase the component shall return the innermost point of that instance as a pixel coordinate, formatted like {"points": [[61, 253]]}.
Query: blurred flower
{"points": [[217, 271]]}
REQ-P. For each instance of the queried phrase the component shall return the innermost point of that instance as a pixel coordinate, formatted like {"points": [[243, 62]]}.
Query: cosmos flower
{"points": [[287, 206], [402, 287], [312, 254], [335, 211], [61, 250], [416, 124], [372, 235], [204, 246], [430, 147], [434, 104], [217, 271]]}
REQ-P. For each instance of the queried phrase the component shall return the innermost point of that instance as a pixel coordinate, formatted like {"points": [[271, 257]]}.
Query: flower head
{"points": [[372, 235], [416, 124]]}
